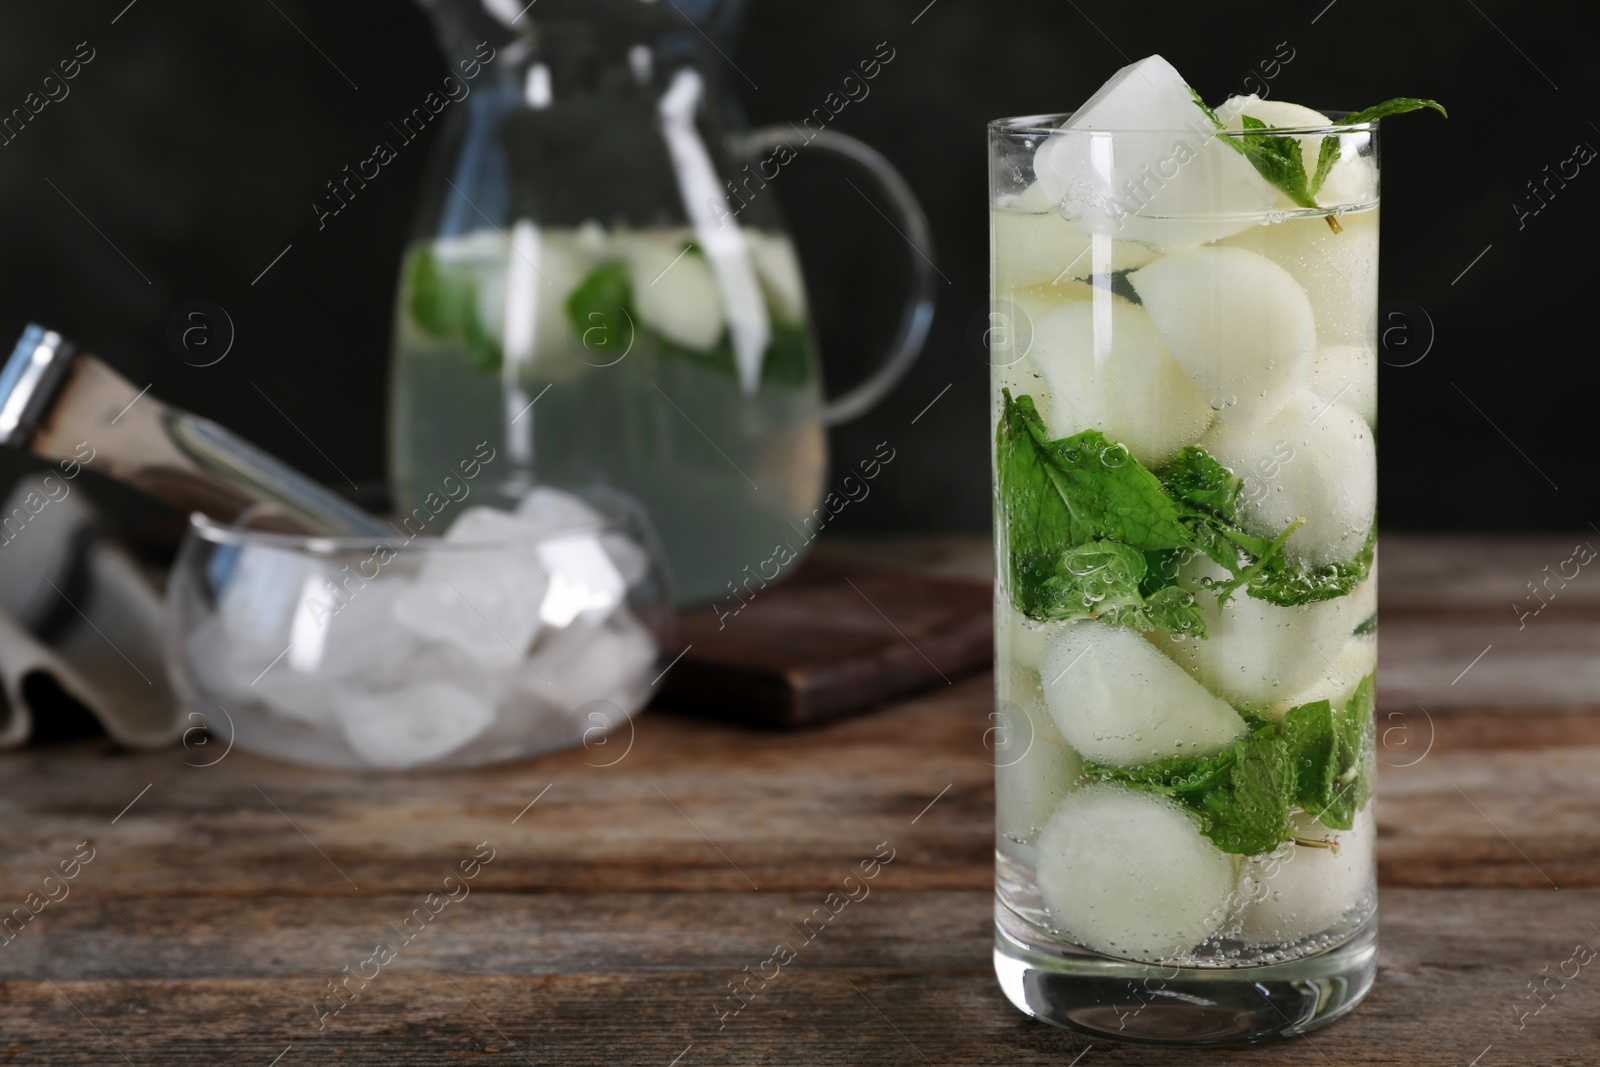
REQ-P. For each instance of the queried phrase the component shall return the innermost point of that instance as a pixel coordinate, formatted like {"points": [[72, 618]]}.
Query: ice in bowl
{"points": [[535, 622]]}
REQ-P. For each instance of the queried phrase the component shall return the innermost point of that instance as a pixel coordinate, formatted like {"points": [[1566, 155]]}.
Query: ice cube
{"points": [[1314, 459], [231, 671], [259, 597], [1036, 765], [1107, 369], [1256, 654], [675, 293], [1129, 874], [1284, 901], [297, 696], [1349, 375], [1239, 324], [628, 556], [412, 725], [362, 638], [224, 664], [550, 509], [482, 591], [1338, 680], [1337, 271], [1157, 172], [1117, 700], [554, 509], [580, 663], [583, 580]]}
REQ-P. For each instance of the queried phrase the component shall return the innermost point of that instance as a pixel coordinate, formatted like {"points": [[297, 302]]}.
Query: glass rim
{"points": [[1052, 125], [205, 528]]}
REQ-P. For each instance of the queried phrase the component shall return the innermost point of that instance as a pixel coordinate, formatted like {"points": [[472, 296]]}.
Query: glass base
{"points": [[1155, 1005]]}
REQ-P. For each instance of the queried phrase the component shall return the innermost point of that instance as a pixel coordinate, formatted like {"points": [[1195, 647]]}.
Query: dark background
{"points": [[198, 136]]}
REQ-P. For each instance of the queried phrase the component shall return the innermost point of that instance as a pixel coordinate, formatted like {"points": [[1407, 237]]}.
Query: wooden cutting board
{"points": [[840, 637]]}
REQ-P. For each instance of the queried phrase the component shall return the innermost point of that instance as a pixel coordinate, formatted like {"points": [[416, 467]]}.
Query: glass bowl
{"points": [[494, 625]]}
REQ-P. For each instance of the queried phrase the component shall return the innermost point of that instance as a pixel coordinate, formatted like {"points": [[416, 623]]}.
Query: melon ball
{"points": [[1255, 652], [1010, 338], [1107, 369], [778, 267], [1021, 641], [1238, 323], [1349, 375], [1365, 595], [1338, 680], [675, 295], [1314, 459], [1035, 767], [1117, 700], [1284, 116], [1034, 245], [1337, 271], [1129, 874], [1353, 179], [1282, 902]]}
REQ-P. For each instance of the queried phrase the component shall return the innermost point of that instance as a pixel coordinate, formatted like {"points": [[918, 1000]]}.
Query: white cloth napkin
{"points": [[80, 624]]}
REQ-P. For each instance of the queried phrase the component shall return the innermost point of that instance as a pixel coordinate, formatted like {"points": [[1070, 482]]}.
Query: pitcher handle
{"points": [[917, 317]]}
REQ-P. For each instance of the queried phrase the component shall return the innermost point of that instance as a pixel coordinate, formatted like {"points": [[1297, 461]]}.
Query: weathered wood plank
{"points": [[785, 812], [1456, 964], [1458, 575]]}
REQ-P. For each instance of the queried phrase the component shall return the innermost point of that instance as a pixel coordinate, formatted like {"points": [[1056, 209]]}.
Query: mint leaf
{"points": [[1283, 584], [1037, 526], [1398, 105], [1079, 489], [1332, 756], [1205, 108], [1161, 569], [1312, 741], [1327, 156], [602, 316], [1201, 482], [1276, 159], [1355, 760], [1247, 812], [1319, 759], [1085, 489], [1103, 580], [1279, 159], [1179, 777], [444, 304], [1115, 282], [1242, 795], [788, 360], [483, 351], [599, 310], [438, 301]]}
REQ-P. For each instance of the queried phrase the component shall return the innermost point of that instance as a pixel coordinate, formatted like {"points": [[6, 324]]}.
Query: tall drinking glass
{"points": [[1184, 398]]}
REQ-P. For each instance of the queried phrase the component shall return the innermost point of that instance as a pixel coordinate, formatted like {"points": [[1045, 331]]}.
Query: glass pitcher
{"points": [[601, 288]]}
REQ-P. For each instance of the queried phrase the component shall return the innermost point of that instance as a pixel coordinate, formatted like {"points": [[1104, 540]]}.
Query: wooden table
{"points": [[622, 900]]}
